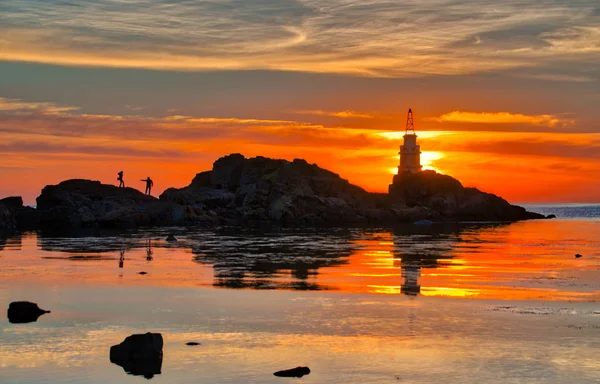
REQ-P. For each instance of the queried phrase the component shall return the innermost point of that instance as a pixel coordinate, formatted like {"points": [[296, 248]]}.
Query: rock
{"points": [[85, 203], [449, 200], [294, 372], [192, 343], [24, 312], [9, 210], [142, 273], [577, 256], [171, 237], [551, 216], [241, 191], [139, 355]]}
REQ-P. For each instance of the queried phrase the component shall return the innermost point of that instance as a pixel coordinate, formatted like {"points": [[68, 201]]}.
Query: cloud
{"points": [[374, 38], [502, 118], [343, 114], [19, 106]]}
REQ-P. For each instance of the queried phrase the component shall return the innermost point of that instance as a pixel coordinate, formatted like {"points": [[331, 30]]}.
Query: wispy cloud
{"points": [[342, 114], [502, 118], [19, 106], [374, 38]]}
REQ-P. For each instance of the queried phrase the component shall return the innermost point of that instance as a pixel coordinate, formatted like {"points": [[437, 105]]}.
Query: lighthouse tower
{"points": [[410, 152]]}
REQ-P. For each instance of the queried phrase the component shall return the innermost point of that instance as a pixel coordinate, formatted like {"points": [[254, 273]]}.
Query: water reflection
{"points": [[528, 260], [258, 261]]}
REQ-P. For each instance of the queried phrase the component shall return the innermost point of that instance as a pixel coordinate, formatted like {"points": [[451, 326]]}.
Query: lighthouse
{"points": [[410, 152]]}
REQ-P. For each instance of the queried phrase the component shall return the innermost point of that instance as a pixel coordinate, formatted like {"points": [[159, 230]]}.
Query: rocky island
{"points": [[247, 191]]}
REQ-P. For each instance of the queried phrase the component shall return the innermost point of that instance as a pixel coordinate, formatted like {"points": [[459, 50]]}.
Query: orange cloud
{"points": [[343, 114], [40, 147], [502, 118]]}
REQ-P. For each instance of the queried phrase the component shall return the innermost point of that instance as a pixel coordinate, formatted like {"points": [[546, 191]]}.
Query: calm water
{"points": [[447, 303]]}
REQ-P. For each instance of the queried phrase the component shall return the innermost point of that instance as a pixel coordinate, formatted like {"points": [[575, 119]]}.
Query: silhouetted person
{"points": [[121, 258], [149, 185], [120, 178]]}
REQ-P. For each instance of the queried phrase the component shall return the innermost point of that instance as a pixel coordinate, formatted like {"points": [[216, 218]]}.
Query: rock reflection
{"points": [[10, 242], [258, 261]]}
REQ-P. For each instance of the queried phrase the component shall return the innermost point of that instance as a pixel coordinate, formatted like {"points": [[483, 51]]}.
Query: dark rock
{"points": [[577, 256], [85, 203], [139, 355], [239, 191], [551, 216], [24, 312], [171, 237], [142, 273], [192, 343], [294, 372], [449, 200], [9, 208]]}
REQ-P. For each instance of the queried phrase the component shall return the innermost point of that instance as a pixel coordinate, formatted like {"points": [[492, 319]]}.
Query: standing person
{"points": [[120, 178], [149, 185]]}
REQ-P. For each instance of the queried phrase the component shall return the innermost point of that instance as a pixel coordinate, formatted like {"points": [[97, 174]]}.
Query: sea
{"points": [[440, 303]]}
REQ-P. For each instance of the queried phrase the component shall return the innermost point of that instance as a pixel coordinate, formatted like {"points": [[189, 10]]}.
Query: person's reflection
{"points": [[121, 258], [149, 252]]}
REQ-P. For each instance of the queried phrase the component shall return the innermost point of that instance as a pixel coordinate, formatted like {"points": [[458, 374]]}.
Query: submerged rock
{"points": [[294, 372], [142, 273], [192, 343], [24, 312], [139, 355], [577, 256]]}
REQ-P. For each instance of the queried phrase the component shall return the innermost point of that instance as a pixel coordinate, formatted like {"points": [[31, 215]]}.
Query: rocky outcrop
{"points": [[240, 190], [447, 199], [13, 215], [140, 354], [85, 203], [24, 312]]}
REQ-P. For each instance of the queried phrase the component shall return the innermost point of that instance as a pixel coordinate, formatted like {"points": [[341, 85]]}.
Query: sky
{"points": [[505, 94]]}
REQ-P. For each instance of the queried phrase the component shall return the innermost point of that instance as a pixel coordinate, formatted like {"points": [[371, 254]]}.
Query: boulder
{"points": [[294, 372], [24, 312], [139, 355], [9, 208], [86, 203], [449, 200]]}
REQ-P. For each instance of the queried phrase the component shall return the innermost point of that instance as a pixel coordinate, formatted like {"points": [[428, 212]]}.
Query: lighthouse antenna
{"points": [[410, 124]]}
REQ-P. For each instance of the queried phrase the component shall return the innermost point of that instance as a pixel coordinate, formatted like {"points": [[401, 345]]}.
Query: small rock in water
{"points": [[24, 312], [139, 355], [551, 217], [294, 372], [142, 273], [171, 237], [577, 256], [192, 343]]}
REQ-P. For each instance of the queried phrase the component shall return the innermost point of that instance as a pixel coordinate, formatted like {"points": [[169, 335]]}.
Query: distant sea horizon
{"points": [[565, 210]]}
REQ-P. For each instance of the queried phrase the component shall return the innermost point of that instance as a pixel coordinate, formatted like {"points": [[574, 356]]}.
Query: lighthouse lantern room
{"points": [[410, 152]]}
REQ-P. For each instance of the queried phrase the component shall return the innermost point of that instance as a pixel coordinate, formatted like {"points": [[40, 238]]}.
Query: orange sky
{"points": [[520, 166], [505, 96]]}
